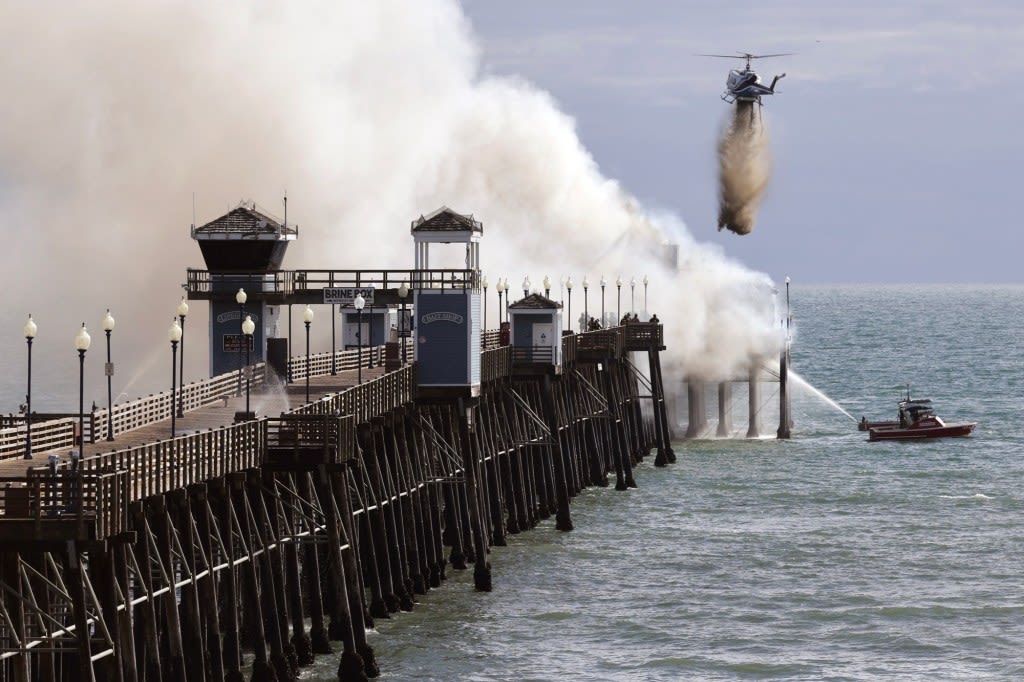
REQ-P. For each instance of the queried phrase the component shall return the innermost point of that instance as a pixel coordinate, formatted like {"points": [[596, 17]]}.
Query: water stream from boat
{"points": [[818, 394]]}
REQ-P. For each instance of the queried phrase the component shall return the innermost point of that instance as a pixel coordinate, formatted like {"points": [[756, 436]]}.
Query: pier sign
{"points": [[346, 295], [236, 343]]}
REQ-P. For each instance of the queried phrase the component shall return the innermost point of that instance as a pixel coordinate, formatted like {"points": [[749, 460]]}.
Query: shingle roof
{"points": [[446, 220], [245, 219], [536, 301]]}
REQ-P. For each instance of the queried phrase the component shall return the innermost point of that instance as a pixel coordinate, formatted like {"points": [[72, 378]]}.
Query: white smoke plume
{"points": [[744, 168], [367, 114]]}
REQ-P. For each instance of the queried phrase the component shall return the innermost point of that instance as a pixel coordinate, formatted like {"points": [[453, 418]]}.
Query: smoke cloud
{"points": [[124, 118], [744, 168]]}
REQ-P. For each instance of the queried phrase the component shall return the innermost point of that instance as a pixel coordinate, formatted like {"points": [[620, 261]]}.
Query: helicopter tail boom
{"points": [[776, 80]]}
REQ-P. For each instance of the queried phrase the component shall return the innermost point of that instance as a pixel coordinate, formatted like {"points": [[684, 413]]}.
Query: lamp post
{"points": [[108, 326], [369, 341], [586, 308], [334, 343], [30, 333], [526, 286], [240, 298], [618, 309], [500, 288], [174, 336], [646, 282], [358, 303], [507, 296], [307, 319], [568, 288], [547, 287], [632, 295], [182, 312], [483, 283], [403, 293], [603, 283], [82, 341], [248, 327]]}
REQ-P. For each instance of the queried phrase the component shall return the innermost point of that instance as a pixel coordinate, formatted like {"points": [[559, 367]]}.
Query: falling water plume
{"points": [[824, 398], [744, 168]]}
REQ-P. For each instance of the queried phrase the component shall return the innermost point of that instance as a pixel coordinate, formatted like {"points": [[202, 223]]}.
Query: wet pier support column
{"points": [[631, 395], [661, 408], [563, 521], [724, 409], [785, 420], [352, 578], [495, 463], [657, 403], [175, 670], [125, 624], [698, 419], [407, 482], [209, 600], [432, 552], [192, 617], [485, 479], [311, 572], [367, 560], [254, 606], [512, 478], [148, 631], [522, 473], [539, 450], [619, 436], [622, 378], [753, 401], [343, 622], [282, 656], [232, 649], [575, 418], [376, 497], [103, 574], [405, 527], [392, 516], [76, 579], [282, 522], [597, 462], [456, 531], [481, 568]]}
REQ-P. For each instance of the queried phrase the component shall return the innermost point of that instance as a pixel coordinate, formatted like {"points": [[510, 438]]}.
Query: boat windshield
{"points": [[911, 411]]}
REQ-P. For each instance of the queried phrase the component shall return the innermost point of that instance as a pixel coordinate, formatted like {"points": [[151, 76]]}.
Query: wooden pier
{"points": [[203, 555]]}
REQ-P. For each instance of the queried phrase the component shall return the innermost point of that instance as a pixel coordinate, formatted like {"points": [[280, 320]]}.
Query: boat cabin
{"points": [[912, 411]]}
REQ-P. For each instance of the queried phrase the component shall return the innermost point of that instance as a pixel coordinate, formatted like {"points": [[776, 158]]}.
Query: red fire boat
{"points": [[916, 420]]}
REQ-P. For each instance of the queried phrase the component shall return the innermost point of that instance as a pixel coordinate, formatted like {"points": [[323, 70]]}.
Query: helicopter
{"points": [[745, 85]]}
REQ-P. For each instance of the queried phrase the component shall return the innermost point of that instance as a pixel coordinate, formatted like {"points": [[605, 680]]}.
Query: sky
{"points": [[895, 135], [582, 135]]}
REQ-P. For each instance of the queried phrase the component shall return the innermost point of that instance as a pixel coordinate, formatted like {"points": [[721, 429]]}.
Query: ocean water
{"points": [[824, 557]]}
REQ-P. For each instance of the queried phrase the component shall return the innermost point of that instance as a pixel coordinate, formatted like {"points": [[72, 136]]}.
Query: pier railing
{"points": [[495, 364], [642, 335], [203, 284], [55, 434], [320, 363], [309, 438], [540, 354], [369, 399], [41, 495], [47, 434]]}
